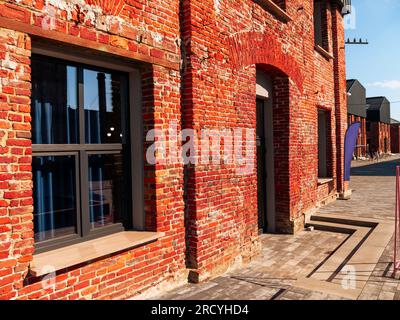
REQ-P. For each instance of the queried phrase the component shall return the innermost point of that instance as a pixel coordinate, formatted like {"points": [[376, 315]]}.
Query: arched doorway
{"points": [[272, 124], [265, 153], [265, 52]]}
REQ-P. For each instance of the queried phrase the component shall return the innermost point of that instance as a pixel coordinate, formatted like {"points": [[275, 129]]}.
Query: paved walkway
{"points": [[373, 185], [285, 259]]}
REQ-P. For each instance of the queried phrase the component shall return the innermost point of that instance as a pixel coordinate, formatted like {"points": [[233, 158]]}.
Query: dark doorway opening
{"points": [[261, 167], [322, 144], [265, 119]]}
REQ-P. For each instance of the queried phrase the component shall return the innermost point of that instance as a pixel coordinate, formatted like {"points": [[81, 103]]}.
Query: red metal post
{"points": [[396, 263]]}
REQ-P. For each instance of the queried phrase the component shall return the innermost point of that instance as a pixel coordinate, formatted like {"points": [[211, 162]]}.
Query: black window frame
{"points": [[81, 151], [324, 142]]}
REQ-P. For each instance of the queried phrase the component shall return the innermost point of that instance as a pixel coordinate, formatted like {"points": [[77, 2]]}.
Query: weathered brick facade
{"points": [[198, 63], [379, 137], [395, 138], [361, 148]]}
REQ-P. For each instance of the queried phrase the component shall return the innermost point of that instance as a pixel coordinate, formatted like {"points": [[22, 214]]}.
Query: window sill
{"points": [[322, 181], [275, 9], [76, 254], [323, 52]]}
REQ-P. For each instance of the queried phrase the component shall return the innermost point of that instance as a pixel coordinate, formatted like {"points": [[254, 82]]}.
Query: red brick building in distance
{"points": [[357, 112], [83, 214], [395, 136], [378, 124]]}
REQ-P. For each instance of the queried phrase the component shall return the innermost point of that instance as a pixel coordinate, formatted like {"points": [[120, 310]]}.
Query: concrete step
{"points": [[336, 261], [328, 287], [356, 257], [343, 221], [330, 226]]}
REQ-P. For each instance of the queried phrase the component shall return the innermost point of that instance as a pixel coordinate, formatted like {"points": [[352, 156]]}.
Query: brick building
{"points": [[82, 85], [378, 124], [395, 136], [357, 112]]}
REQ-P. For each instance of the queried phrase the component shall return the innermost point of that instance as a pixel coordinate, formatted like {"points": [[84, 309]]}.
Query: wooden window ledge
{"points": [[323, 52], [322, 181], [59, 259], [275, 9]]}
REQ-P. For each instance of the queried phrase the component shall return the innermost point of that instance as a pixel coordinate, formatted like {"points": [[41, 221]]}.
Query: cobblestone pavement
{"points": [[383, 285], [285, 258], [373, 185]]}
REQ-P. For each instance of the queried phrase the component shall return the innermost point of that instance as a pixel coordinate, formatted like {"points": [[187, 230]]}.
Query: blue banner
{"points": [[350, 142]]}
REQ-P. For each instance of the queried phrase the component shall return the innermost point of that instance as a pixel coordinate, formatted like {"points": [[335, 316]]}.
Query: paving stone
{"points": [[286, 258]]}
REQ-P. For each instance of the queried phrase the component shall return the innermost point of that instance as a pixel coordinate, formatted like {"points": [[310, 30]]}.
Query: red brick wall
{"points": [[378, 133], [361, 149], [146, 32], [385, 138], [226, 47], [325, 192], [395, 138], [223, 43], [340, 94], [16, 242]]}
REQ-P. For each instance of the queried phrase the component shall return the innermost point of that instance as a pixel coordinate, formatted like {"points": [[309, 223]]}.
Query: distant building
{"points": [[395, 136], [378, 124], [356, 112]]}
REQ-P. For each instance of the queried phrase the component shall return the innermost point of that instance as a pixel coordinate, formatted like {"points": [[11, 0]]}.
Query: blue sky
{"points": [[376, 65]]}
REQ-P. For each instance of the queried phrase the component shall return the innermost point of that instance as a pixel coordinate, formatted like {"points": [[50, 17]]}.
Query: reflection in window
{"points": [[54, 103], [54, 196], [102, 102], [97, 171], [106, 188]]}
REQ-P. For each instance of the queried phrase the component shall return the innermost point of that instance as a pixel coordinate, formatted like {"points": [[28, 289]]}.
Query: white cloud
{"points": [[387, 84]]}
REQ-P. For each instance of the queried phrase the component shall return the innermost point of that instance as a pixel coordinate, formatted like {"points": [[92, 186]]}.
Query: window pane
{"points": [[106, 189], [54, 195], [322, 144], [103, 105], [54, 103], [318, 23]]}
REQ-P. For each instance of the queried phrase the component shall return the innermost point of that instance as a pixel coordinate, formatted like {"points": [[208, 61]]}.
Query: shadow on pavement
{"points": [[377, 169]]}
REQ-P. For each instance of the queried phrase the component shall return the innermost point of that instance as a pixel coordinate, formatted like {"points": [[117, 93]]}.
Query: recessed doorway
{"points": [[265, 155]]}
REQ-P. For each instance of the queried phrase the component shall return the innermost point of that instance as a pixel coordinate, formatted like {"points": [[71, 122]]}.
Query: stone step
{"points": [[337, 260], [330, 226], [355, 259], [328, 287], [343, 221]]}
